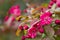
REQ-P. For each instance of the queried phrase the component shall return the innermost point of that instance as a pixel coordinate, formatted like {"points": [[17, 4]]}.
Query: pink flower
{"points": [[46, 14], [41, 30], [58, 3], [51, 3], [31, 35], [45, 18], [25, 27], [15, 10], [39, 27], [57, 22], [21, 27], [32, 32], [23, 37]]}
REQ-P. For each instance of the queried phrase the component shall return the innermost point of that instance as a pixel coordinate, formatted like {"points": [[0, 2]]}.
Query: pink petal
{"points": [[58, 3]]}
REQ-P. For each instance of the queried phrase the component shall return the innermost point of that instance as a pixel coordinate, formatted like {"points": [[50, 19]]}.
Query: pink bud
{"points": [[58, 3], [25, 27], [51, 3], [57, 22], [23, 37], [41, 30], [21, 27]]}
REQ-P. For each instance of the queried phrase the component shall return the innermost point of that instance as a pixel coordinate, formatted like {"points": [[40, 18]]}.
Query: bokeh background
{"points": [[9, 34]]}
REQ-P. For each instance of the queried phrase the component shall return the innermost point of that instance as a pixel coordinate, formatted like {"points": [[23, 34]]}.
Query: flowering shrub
{"points": [[35, 22]]}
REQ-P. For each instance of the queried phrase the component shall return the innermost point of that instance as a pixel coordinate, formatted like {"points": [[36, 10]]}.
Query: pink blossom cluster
{"points": [[45, 19]]}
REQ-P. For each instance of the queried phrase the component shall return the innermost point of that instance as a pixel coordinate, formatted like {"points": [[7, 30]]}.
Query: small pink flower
{"points": [[21, 27], [51, 3], [23, 37], [15, 10], [32, 32], [33, 29], [46, 14], [41, 30], [25, 27], [45, 18], [58, 3], [31, 35]]}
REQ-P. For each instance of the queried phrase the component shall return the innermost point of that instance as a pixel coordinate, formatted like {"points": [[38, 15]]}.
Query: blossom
{"points": [[41, 30], [23, 37], [58, 3], [51, 3], [25, 27], [45, 18], [15, 10], [21, 27], [57, 22], [40, 27], [32, 32]]}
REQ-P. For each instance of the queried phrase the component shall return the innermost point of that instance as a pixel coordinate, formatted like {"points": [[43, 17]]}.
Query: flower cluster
{"points": [[45, 18], [13, 12]]}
